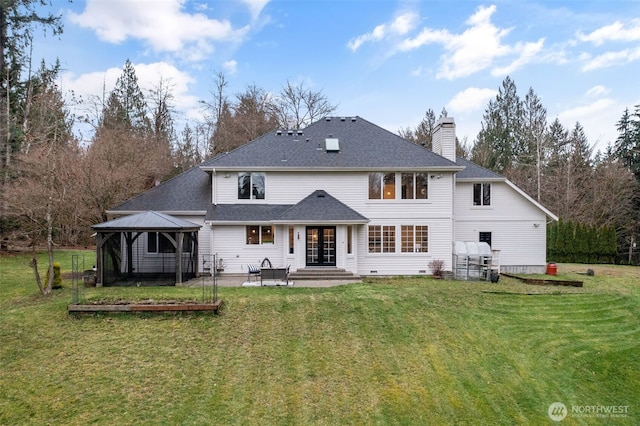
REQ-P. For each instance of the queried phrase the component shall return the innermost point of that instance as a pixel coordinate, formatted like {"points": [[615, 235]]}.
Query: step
{"points": [[323, 274]]}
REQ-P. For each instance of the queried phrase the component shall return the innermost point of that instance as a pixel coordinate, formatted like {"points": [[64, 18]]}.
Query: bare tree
{"points": [[38, 194], [295, 107]]}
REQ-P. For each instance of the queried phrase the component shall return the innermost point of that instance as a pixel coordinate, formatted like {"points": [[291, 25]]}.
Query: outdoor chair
{"points": [[280, 274], [253, 271]]}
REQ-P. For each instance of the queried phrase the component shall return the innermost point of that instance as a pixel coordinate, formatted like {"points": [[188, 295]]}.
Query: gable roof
{"points": [[319, 206], [361, 145], [147, 221]]}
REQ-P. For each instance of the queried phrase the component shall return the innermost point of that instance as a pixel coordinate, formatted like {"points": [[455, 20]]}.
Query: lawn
{"points": [[409, 350]]}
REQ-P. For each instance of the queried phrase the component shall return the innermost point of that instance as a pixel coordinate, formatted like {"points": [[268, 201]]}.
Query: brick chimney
{"points": [[444, 138]]}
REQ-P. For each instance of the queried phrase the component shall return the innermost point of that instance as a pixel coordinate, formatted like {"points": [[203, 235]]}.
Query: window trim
{"points": [[484, 193], [384, 239], [162, 244], [252, 195], [382, 177], [260, 232], [414, 238], [414, 186]]}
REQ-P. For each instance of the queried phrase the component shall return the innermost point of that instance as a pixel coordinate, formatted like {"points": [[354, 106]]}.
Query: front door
{"points": [[321, 246]]}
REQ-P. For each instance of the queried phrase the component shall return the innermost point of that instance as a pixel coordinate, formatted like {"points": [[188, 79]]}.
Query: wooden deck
{"points": [[132, 307]]}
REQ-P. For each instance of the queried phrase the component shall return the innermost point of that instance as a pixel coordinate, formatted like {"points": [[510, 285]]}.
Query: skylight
{"points": [[332, 144]]}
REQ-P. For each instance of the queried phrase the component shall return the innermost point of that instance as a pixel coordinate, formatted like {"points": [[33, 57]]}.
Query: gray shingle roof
{"points": [[473, 171], [363, 145], [318, 206], [189, 191], [147, 221], [246, 212]]}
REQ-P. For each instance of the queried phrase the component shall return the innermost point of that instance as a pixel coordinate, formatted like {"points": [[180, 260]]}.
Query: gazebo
{"points": [[154, 245]]}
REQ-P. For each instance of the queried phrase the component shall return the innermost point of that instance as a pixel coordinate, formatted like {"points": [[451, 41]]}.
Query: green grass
{"points": [[397, 351]]}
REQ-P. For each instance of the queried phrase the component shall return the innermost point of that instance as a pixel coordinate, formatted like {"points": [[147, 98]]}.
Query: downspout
{"points": [[214, 196]]}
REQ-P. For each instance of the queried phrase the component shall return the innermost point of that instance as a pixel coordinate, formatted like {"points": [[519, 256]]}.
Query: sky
{"points": [[386, 61]]}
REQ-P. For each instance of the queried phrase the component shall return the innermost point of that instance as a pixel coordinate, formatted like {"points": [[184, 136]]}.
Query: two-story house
{"points": [[345, 193]]}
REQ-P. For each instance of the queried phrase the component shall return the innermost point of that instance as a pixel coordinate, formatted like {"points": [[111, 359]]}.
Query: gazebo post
{"points": [[180, 239], [99, 254]]}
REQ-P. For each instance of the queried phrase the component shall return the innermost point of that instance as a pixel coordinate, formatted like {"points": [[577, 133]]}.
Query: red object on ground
{"points": [[552, 269]]}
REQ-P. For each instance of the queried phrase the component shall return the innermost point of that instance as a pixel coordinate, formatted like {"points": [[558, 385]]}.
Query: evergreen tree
{"points": [[499, 142], [627, 145], [126, 106], [423, 133]]}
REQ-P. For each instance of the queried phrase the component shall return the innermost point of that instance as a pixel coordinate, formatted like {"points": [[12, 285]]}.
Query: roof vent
{"points": [[279, 132], [320, 194], [290, 132], [327, 118], [353, 119], [343, 119], [299, 132]]}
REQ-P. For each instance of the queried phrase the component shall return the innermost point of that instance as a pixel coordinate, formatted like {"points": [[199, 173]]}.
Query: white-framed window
{"points": [[414, 238], [251, 186], [382, 239], [414, 186], [259, 234], [349, 239], [157, 242], [382, 186], [481, 194]]}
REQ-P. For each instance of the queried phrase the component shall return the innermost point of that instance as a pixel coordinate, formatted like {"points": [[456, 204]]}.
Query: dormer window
{"points": [[251, 186]]}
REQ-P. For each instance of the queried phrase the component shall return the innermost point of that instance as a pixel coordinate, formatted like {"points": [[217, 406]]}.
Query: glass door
{"points": [[321, 246]]}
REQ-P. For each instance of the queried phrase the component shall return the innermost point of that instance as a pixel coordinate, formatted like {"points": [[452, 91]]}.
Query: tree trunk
{"points": [[34, 265]]}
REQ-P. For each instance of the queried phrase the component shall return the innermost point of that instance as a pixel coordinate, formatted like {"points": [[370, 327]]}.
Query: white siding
{"points": [[351, 188], [518, 227]]}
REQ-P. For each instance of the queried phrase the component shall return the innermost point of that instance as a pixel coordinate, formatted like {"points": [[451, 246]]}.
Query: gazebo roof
{"points": [[147, 221]]}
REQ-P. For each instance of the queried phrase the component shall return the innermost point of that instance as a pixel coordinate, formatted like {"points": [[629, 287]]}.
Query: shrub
{"points": [[57, 276], [437, 267]]}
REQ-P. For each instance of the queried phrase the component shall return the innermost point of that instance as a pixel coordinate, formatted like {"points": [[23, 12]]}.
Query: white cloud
{"points": [[617, 31], [598, 119], [528, 52], [610, 59], [231, 66], [400, 26], [476, 48], [470, 99], [255, 6], [165, 27], [597, 91]]}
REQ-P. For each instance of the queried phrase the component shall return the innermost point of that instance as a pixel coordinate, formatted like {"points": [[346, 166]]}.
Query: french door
{"points": [[321, 246]]}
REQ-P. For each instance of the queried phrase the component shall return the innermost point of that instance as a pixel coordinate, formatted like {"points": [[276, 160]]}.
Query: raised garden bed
{"points": [[542, 281], [145, 307]]}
